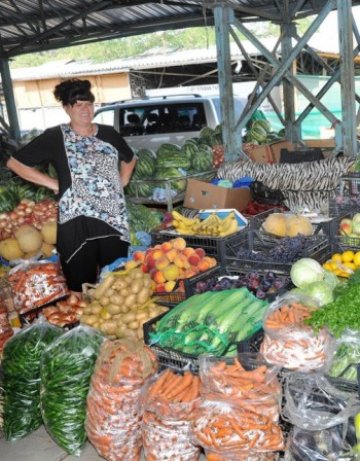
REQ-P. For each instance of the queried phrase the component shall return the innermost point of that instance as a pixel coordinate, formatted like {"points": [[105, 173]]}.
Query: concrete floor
{"points": [[38, 446]]}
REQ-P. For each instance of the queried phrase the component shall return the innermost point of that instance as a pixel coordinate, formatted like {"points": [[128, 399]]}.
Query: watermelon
{"points": [[206, 132], [166, 149], [256, 134], [145, 167], [189, 149], [174, 161], [170, 173], [281, 133], [262, 123], [203, 161], [148, 153]]}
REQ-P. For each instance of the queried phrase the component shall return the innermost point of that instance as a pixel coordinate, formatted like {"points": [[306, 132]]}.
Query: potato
{"points": [[130, 301], [134, 325], [124, 309], [96, 309], [116, 299], [136, 273], [105, 314], [124, 292], [89, 319], [129, 317], [102, 288], [136, 286], [121, 331], [143, 295], [140, 332], [120, 283], [113, 309], [146, 281], [104, 301], [87, 310], [109, 328], [142, 316], [109, 293]]}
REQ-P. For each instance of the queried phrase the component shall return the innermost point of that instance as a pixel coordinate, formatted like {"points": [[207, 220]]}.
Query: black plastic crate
{"points": [[251, 344], [213, 246], [167, 357], [318, 248], [217, 272], [347, 195], [342, 241]]}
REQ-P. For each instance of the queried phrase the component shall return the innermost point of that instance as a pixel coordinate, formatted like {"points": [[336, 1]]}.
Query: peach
{"points": [[188, 251], [161, 263], [200, 252], [212, 261], [190, 273], [160, 288], [169, 286], [204, 265], [157, 276], [182, 261], [166, 246], [139, 256], [171, 255], [145, 267], [194, 259], [171, 272], [179, 243]]}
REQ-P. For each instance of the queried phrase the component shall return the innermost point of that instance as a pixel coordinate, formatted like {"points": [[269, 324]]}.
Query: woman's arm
{"points": [[126, 170], [33, 175]]}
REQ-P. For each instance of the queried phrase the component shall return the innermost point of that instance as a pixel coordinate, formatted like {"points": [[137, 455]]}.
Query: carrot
{"points": [[183, 384], [155, 388]]}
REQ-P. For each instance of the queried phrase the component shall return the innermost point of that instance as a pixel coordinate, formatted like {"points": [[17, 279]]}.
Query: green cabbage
{"points": [[320, 291], [305, 271]]}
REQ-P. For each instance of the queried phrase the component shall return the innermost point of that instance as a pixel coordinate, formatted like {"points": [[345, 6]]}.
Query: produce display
{"points": [[66, 312], [349, 229], [211, 322], [113, 420], [170, 262], [212, 226], [21, 367], [344, 362], [141, 219], [260, 133], [343, 264], [121, 304], [66, 369], [5, 329]]}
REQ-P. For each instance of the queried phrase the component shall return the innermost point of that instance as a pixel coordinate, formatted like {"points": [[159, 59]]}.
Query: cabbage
{"points": [[320, 291], [306, 271], [331, 279]]}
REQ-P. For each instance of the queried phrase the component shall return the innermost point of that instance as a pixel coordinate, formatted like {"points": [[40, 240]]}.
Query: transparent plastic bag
{"points": [[170, 402], [313, 403], [326, 445], [247, 381], [36, 283], [5, 329], [289, 342], [21, 368], [246, 456], [66, 369], [347, 356], [113, 420], [228, 430]]}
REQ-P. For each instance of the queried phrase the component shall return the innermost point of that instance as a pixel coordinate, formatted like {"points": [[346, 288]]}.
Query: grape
{"points": [[260, 294]]}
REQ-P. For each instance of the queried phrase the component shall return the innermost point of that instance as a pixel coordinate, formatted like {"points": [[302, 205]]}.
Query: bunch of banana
{"points": [[184, 225], [211, 226]]}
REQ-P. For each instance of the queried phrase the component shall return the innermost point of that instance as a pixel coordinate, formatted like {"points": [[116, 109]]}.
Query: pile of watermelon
{"points": [[260, 133], [172, 164]]}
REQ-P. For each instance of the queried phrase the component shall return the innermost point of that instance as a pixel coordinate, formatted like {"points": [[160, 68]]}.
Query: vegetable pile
{"points": [[121, 304], [169, 407], [66, 369], [113, 408], [65, 312], [211, 322], [21, 365], [288, 342]]}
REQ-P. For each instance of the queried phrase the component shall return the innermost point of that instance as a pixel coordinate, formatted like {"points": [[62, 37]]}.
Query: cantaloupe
{"points": [[10, 249], [48, 232], [296, 225], [275, 224], [47, 249], [28, 238]]}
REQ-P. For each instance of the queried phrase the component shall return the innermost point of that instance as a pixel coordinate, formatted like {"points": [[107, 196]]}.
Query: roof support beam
{"points": [[9, 99]]}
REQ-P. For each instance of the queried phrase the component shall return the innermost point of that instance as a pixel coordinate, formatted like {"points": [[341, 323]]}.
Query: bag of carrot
{"points": [[229, 430], [290, 343], [113, 422], [247, 381], [212, 456], [21, 367], [169, 405], [66, 369]]}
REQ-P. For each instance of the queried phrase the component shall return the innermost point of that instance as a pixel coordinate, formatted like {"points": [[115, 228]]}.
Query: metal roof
{"points": [[28, 26]]}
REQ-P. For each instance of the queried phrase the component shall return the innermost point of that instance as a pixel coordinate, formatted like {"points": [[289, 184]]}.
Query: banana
{"points": [[229, 227], [183, 219]]}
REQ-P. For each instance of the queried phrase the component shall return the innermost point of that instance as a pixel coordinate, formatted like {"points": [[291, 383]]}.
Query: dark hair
{"points": [[72, 90]]}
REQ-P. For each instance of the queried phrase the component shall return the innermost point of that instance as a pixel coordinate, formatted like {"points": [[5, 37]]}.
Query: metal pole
{"points": [[9, 99], [232, 141], [347, 77]]}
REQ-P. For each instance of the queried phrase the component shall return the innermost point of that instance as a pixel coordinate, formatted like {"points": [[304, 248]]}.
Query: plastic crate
{"points": [[343, 241], [170, 299], [318, 248], [216, 272], [347, 196], [167, 357], [251, 344], [216, 247]]}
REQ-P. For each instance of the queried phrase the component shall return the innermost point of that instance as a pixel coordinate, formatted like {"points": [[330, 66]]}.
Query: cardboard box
{"points": [[203, 195], [259, 154]]}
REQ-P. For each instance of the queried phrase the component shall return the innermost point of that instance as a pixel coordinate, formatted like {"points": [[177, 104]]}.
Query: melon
{"points": [[28, 238], [275, 224], [48, 232], [298, 225], [10, 249]]}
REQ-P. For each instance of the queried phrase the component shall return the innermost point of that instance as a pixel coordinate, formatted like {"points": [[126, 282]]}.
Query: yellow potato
{"points": [[130, 301], [113, 309], [143, 295], [129, 317]]}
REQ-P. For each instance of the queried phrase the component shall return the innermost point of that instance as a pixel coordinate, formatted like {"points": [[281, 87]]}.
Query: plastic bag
{"points": [[5, 329], [229, 430], [246, 381], [35, 284], [21, 366], [347, 356], [66, 368], [113, 421], [212, 456], [169, 405], [326, 445], [289, 342], [313, 403]]}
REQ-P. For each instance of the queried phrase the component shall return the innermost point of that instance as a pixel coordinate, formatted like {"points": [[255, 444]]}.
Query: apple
{"points": [[345, 226]]}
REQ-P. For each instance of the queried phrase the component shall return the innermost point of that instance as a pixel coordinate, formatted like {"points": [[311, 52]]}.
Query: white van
{"points": [[152, 121]]}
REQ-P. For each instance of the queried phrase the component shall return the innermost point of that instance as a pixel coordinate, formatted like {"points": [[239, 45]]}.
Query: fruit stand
{"points": [[223, 338]]}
